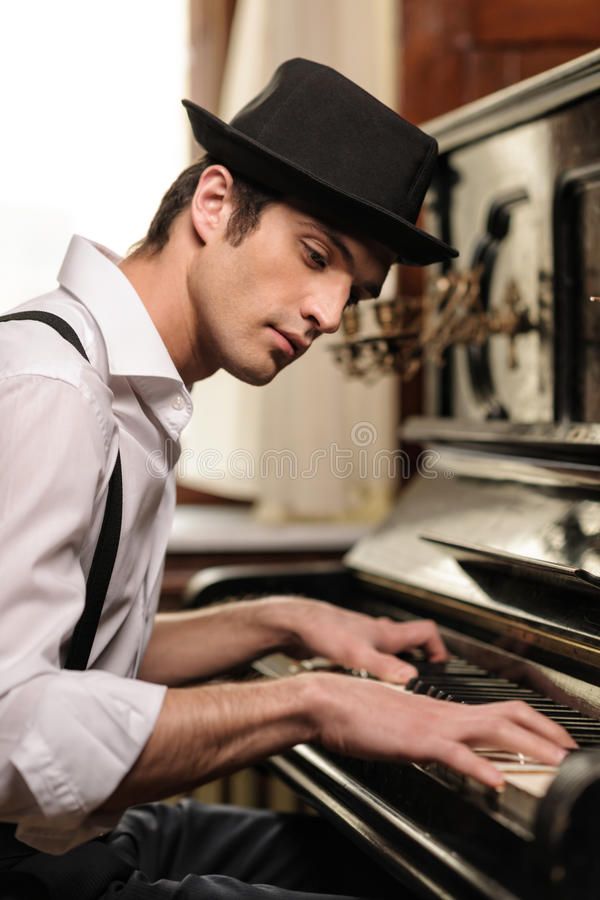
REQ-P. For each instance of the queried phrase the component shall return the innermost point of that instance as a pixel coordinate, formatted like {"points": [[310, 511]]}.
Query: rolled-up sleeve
{"points": [[67, 738], [82, 734]]}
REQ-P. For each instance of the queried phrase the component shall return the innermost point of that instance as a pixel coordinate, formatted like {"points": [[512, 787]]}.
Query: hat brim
{"points": [[253, 160]]}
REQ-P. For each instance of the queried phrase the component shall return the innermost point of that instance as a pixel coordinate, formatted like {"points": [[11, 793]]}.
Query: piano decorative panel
{"points": [[518, 193]]}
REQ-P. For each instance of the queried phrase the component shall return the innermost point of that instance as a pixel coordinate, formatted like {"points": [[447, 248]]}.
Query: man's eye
{"points": [[315, 257]]}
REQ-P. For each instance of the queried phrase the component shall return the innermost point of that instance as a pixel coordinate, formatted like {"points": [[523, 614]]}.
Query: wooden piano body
{"points": [[497, 536]]}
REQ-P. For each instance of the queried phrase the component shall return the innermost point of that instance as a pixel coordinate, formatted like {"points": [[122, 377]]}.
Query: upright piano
{"points": [[497, 534]]}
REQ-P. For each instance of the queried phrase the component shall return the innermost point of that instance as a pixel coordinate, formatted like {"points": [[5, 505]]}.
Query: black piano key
{"points": [[498, 694], [567, 715], [435, 669], [578, 727], [489, 690], [544, 705], [486, 690], [568, 721], [494, 695], [481, 686], [575, 728]]}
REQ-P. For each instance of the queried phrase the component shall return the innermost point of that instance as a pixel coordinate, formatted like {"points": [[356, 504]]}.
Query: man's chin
{"points": [[260, 380], [255, 377]]}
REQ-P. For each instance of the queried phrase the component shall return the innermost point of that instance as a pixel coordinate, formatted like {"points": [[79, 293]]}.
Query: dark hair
{"points": [[249, 201]]}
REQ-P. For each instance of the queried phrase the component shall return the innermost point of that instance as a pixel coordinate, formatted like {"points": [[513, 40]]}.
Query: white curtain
{"points": [[306, 446]]}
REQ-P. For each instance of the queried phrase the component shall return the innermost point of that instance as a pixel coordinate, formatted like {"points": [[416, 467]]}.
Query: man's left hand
{"points": [[358, 641]]}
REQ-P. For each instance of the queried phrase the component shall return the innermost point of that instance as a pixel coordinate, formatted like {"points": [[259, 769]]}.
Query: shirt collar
{"points": [[134, 347]]}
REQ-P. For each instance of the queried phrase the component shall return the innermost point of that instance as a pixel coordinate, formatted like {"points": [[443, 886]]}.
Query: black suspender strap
{"points": [[54, 321], [108, 542], [99, 575]]}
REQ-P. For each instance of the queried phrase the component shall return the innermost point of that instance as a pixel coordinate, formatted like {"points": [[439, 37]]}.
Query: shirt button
{"points": [[178, 402]]}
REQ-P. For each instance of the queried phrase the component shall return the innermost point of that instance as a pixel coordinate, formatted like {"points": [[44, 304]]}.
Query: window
{"points": [[93, 131]]}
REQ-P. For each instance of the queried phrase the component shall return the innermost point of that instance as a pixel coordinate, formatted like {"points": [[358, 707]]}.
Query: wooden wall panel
{"points": [[538, 59], [434, 36], [535, 22], [454, 51]]}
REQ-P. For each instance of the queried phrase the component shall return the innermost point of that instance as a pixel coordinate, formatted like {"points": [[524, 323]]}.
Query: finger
{"points": [[502, 734], [418, 633], [462, 759], [524, 715], [387, 667]]}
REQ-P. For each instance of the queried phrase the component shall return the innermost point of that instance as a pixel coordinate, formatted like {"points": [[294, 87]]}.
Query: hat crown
{"points": [[338, 132], [314, 135]]}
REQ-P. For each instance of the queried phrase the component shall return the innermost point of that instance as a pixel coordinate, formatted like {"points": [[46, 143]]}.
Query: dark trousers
{"points": [[192, 851]]}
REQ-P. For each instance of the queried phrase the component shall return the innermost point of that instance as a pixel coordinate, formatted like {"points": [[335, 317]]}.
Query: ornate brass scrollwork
{"points": [[421, 329]]}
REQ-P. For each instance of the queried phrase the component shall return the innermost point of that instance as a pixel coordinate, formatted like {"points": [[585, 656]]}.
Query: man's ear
{"points": [[211, 204]]}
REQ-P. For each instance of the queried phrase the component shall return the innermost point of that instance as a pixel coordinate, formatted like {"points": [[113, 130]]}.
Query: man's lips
{"points": [[291, 344]]}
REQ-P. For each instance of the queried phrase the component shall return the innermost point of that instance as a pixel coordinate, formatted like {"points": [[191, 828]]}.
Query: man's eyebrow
{"points": [[372, 289], [336, 240]]}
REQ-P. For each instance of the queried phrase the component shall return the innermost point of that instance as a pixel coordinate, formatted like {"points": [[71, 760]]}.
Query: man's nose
{"points": [[325, 308]]}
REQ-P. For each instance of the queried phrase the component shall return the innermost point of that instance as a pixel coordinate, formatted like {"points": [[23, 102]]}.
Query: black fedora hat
{"points": [[315, 135]]}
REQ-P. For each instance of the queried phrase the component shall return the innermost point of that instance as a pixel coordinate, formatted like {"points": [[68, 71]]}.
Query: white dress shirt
{"points": [[67, 738]]}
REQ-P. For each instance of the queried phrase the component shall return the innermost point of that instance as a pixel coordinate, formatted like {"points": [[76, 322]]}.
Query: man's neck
{"points": [[161, 283]]}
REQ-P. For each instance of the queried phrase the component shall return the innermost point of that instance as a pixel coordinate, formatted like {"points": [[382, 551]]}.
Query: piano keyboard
{"points": [[460, 681], [464, 682]]}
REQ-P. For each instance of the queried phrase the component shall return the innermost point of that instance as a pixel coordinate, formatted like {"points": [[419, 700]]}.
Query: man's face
{"points": [[260, 305]]}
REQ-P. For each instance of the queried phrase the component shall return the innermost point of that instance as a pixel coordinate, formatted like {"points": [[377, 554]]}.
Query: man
{"points": [[305, 201]]}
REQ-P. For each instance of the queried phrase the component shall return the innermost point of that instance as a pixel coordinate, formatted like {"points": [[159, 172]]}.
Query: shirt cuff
{"points": [[85, 733]]}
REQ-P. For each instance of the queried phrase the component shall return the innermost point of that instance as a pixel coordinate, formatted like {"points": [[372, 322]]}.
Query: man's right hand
{"points": [[205, 732], [375, 720]]}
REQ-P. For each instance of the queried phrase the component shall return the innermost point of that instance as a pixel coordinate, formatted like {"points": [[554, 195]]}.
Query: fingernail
{"points": [[406, 673]]}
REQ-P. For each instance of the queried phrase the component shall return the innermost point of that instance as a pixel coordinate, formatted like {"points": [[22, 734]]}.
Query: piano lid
{"points": [[538, 565], [556, 527], [490, 559]]}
